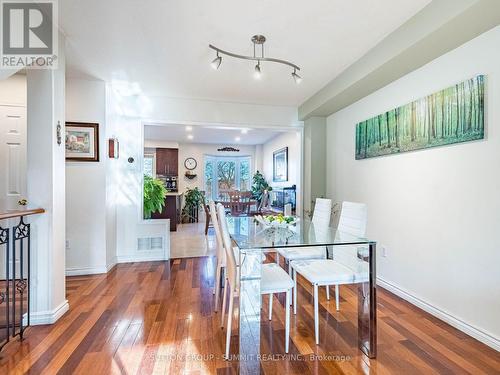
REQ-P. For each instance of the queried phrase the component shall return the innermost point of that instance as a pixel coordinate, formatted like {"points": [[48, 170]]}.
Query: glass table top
{"points": [[250, 234]]}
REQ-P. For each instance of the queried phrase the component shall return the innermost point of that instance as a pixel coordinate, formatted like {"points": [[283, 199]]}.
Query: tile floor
{"points": [[190, 241]]}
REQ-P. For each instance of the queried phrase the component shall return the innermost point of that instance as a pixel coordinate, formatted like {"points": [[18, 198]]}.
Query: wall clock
{"points": [[190, 163]]}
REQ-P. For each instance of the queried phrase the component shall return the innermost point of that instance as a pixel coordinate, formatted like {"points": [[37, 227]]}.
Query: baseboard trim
{"points": [[110, 266], [468, 329], [86, 271], [119, 259], [139, 258], [49, 317]]}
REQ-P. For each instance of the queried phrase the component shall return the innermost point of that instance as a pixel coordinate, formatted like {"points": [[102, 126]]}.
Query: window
{"points": [[149, 165], [223, 174], [245, 183]]}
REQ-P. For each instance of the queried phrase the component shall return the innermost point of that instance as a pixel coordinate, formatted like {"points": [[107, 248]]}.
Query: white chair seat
{"points": [[298, 253], [274, 279], [324, 271]]}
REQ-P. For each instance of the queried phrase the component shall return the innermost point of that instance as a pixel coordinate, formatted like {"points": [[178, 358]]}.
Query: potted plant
{"points": [[193, 199], [154, 196], [259, 186]]}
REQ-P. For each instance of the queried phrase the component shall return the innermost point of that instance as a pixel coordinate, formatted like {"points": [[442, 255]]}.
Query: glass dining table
{"points": [[254, 238]]}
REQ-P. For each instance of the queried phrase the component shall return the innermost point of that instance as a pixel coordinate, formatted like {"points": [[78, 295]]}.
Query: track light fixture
{"points": [[216, 62], [257, 40], [296, 77], [257, 74]]}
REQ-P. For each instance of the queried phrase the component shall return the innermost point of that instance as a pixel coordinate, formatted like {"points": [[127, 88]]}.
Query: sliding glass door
{"points": [[226, 173]]}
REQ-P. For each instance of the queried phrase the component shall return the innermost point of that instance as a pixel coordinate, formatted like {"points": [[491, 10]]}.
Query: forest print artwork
{"points": [[452, 115]]}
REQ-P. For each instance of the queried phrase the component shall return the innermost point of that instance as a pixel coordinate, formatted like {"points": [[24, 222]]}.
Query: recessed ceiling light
{"points": [[190, 136], [237, 139], [189, 128], [244, 131]]}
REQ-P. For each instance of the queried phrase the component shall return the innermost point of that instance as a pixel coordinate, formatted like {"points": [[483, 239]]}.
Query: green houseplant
{"points": [[259, 186], [193, 200], [154, 196]]}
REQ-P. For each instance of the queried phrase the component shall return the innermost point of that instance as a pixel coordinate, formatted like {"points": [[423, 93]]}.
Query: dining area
{"points": [[239, 203], [298, 264]]}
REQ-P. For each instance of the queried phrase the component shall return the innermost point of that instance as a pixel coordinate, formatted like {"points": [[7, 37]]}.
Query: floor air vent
{"points": [[149, 243]]}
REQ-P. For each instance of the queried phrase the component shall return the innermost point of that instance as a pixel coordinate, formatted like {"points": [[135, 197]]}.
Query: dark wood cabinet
{"points": [[170, 211], [167, 161]]}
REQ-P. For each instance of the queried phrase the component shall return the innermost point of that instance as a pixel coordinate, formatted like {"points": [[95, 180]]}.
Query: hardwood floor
{"points": [[158, 317]]}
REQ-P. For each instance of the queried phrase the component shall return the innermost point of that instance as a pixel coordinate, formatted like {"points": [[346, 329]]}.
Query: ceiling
{"points": [[208, 134], [162, 45]]}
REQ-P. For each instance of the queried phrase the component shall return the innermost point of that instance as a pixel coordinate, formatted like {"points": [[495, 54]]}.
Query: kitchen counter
{"points": [[172, 209], [174, 194]]}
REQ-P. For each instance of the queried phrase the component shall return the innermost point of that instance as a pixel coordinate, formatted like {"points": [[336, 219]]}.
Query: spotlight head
{"points": [[296, 77], [257, 74], [216, 62]]}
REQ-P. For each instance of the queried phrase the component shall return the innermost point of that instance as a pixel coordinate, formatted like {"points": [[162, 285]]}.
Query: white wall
{"points": [[292, 140], [436, 211], [154, 143], [86, 185], [314, 161]]}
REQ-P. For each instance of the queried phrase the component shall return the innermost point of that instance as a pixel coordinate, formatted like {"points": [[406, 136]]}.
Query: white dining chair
{"points": [[321, 217], [273, 280], [345, 267], [220, 253]]}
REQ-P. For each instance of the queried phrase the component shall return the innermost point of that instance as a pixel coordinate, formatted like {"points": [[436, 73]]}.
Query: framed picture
{"points": [[82, 141], [452, 115], [280, 165]]}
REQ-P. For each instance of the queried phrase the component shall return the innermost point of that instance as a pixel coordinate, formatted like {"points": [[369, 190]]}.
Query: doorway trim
{"points": [[285, 128]]}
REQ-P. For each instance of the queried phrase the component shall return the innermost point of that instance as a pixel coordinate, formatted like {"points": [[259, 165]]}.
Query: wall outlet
{"points": [[384, 251], [67, 245]]}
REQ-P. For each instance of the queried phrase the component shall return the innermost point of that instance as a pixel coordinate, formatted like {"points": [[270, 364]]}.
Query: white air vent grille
{"points": [[149, 243], [156, 243]]}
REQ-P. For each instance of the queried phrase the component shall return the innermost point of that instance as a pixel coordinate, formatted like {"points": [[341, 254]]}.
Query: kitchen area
{"points": [[162, 163]]}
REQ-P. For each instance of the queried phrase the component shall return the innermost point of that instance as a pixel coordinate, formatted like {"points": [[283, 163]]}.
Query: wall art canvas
{"points": [[82, 141], [280, 165], [452, 115]]}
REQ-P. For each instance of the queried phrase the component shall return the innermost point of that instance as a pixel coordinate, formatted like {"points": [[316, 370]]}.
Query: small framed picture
{"points": [[82, 141], [280, 165]]}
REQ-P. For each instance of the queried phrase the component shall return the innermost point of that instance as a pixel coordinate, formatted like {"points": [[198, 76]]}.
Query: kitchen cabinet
{"points": [[167, 161]]}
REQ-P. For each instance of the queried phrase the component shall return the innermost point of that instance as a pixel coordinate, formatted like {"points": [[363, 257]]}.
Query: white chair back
{"points": [[220, 253], [231, 265], [353, 217], [352, 220], [288, 209], [322, 212]]}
